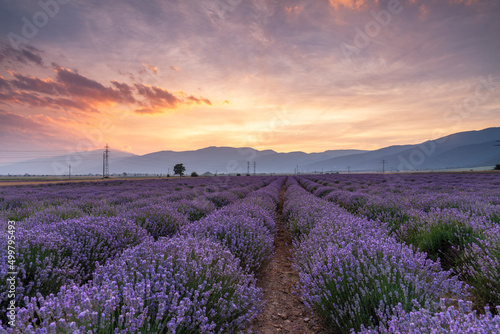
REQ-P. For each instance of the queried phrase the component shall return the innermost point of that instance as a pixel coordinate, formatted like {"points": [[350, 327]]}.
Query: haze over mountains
{"points": [[470, 149]]}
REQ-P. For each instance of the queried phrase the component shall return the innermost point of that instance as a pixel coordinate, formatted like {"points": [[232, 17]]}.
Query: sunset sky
{"points": [[310, 75]]}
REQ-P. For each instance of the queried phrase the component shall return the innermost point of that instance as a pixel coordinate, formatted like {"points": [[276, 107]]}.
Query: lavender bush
{"points": [[358, 283], [52, 255], [246, 237], [352, 273], [222, 198], [195, 209], [449, 320], [178, 285], [481, 267], [160, 220]]}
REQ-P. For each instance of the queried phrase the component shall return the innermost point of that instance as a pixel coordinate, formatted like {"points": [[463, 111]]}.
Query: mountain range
{"points": [[471, 149]]}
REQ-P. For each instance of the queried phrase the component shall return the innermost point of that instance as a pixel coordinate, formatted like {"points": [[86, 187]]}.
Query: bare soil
{"points": [[284, 311]]}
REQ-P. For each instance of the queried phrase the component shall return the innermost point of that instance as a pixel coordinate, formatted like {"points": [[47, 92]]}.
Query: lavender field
{"points": [[374, 253]]}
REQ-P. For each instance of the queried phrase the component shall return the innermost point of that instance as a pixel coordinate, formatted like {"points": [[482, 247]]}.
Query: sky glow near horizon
{"points": [[282, 75]]}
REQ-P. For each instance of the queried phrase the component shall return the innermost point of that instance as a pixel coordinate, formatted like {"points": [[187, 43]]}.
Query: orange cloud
{"points": [[151, 68], [3, 83], [148, 111], [157, 99], [70, 90], [35, 100], [423, 11], [351, 4], [294, 10]]}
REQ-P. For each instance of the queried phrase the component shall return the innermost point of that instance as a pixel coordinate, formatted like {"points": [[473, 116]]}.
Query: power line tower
{"points": [[254, 164], [248, 167], [105, 162], [69, 174], [383, 165]]}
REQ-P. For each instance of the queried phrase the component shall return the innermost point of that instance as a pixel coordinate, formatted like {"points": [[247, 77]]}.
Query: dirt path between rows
{"points": [[284, 312]]}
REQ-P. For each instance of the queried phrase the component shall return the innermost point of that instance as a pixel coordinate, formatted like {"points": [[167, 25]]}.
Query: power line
{"points": [[383, 165]]}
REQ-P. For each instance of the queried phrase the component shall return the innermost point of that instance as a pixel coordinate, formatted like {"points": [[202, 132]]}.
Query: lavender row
{"points": [[54, 249], [247, 227], [468, 241], [53, 252], [50, 256], [73, 200], [477, 194], [175, 285], [451, 319], [353, 274]]}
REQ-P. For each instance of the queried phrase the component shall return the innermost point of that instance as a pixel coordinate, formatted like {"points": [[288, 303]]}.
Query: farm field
{"points": [[340, 253]]}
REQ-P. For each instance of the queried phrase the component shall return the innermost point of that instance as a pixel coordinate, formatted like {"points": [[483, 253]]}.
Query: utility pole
{"points": [[69, 174], [348, 169], [105, 162], [248, 167], [254, 164], [383, 166]]}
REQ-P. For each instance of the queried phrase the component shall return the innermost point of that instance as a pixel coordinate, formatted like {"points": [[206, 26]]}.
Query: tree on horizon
{"points": [[179, 169]]}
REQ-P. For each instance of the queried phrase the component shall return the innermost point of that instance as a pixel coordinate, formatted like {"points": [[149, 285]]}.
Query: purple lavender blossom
{"points": [[178, 285], [450, 320], [52, 255]]}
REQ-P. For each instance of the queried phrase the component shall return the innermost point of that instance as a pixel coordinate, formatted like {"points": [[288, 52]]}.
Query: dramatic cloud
{"points": [[26, 55], [68, 90], [157, 96], [80, 86], [344, 72], [46, 86], [4, 84], [151, 68], [71, 90], [158, 99]]}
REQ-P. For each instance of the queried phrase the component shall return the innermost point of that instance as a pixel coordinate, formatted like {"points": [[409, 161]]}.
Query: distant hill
{"points": [[81, 163], [460, 150], [226, 160]]}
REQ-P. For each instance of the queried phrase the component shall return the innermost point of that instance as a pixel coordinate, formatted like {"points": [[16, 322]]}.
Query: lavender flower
{"points": [[449, 320], [178, 285]]}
